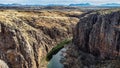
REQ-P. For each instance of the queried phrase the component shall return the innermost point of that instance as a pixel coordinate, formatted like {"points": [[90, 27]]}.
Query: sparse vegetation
{"points": [[108, 11], [39, 30]]}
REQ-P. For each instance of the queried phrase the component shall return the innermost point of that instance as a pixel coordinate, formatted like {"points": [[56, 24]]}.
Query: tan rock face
{"points": [[26, 36]]}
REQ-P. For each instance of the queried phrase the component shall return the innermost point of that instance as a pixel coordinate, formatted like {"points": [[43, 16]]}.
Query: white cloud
{"points": [[59, 1], [11, 1]]}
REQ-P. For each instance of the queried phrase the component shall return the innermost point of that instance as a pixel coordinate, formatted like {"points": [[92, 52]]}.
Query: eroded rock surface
{"points": [[98, 33], [27, 36], [96, 41]]}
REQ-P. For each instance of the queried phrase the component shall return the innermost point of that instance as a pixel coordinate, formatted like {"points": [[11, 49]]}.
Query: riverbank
{"points": [[55, 62], [57, 48], [75, 58]]}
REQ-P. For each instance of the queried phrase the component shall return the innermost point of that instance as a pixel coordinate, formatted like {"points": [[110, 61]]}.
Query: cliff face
{"points": [[98, 33], [96, 41], [27, 36]]}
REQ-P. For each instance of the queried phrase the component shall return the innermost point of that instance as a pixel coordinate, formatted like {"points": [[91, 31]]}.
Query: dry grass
{"points": [[48, 19]]}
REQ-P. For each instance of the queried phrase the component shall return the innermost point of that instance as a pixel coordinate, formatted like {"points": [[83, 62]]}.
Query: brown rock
{"points": [[98, 33]]}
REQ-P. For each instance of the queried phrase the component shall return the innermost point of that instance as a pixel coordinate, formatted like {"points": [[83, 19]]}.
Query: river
{"points": [[55, 61]]}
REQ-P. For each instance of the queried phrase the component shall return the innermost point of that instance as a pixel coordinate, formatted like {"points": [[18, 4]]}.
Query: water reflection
{"points": [[55, 61]]}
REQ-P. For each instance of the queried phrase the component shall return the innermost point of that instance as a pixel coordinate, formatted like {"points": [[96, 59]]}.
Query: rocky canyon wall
{"points": [[96, 41], [27, 36]]}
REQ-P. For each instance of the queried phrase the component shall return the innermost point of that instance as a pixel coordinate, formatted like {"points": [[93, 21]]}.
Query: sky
{"points": [[65, 2]]}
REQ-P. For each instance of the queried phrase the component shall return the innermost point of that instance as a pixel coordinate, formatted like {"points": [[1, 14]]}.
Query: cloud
{"points": [[59, 1], [11, 1]]}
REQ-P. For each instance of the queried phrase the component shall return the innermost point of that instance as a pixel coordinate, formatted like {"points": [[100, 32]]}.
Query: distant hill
{"points": [[111, 4], [106, 5], [81, 4], [14, 4]]}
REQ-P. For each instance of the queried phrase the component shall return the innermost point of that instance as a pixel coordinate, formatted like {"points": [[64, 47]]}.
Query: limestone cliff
{"points": [[96, 41], [27, 36]]}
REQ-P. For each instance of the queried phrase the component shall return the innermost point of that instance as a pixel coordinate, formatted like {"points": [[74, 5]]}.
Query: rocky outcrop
{"points": [[26, 36], [98, 33], [96, 41]]}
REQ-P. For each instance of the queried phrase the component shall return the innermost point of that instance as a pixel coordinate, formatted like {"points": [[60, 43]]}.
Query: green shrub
{"points": [[56, 49]]}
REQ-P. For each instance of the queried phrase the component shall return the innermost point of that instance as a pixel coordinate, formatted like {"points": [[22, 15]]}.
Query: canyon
{"points": [[26, 36]]}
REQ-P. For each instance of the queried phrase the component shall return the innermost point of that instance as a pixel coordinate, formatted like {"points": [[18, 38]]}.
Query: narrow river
{"points": [[55, 61]]}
